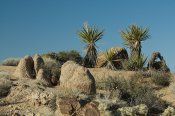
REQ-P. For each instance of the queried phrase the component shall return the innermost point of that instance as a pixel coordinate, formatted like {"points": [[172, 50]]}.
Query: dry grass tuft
{"points": [[11, 62]]}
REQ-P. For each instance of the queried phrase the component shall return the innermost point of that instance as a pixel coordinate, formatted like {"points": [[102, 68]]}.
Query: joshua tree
{"points": [[109, 56], [133, 38], [90, 35]]}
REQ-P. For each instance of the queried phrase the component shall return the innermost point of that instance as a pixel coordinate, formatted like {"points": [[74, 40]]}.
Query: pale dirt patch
{"points": [[167, 95], [7, 69], [102, 74]]}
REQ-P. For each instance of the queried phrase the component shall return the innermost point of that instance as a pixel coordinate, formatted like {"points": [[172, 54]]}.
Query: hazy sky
{"points": [[41, 26]]}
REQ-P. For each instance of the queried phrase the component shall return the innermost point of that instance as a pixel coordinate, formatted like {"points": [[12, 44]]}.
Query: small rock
{"points": [[67, 106], [170, 111], [38, 62], [133, 111]]}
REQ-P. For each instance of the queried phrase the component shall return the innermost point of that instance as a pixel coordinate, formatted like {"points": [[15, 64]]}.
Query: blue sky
{"points": [[40, 26]]}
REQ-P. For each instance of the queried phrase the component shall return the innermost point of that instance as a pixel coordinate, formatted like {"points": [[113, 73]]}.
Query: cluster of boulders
{"points": [[33, 68], [75, 107], [75, 77]]}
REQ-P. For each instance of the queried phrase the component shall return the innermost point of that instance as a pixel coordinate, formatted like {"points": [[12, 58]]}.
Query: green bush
{"points": [[161, 79], [64, 56], [53, 69], [11, 62]]}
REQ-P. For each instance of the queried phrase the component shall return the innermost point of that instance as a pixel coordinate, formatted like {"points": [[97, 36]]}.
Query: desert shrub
{"points": [[11, 62], [113, 83], [63, 92], [134, 93], [161, 78], [49, 62], [69, 55], [5, 85], [135, 63], [140, 93], [52, 103], [52, 68], [64, 56]]}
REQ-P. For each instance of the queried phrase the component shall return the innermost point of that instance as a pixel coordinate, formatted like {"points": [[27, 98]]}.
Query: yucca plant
{"points": [[112, 58], [133, 37], [90, 35], [135, 63], [109, 57]]}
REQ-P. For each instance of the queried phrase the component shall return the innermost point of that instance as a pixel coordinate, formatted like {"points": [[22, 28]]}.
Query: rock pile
{"points": [[73, 107], [29, 67]]}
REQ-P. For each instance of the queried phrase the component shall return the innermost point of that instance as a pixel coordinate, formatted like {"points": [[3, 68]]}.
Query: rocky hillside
{"points": [[31, 89]]}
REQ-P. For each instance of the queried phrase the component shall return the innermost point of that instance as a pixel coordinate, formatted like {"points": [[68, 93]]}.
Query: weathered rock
{"points": [[139, 110], [76, 77], [73, 107], [38, 62], [90, 109], [67, 106], [157, 65], [67, 71], [25, 68], [170, 111], [41, 98], [43, 78]]}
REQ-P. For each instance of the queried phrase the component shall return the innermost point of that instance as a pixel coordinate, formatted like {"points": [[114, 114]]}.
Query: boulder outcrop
{"points": [[74, 76], [25, 68]]}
